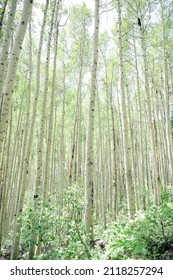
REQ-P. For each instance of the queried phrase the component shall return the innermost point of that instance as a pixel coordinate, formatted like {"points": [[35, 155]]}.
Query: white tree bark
{"points": [[11, 71], [125, 127], [5, 45], [89, 157]]}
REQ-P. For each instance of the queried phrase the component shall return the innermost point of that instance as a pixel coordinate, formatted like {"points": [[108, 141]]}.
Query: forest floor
{"points": [[149, 236]]}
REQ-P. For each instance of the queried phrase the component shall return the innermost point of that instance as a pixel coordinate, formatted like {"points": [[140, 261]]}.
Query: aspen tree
{"points": [[5, 193], [166, 97], [62, 145], [109, 142], [44, 105], [53, 157], [75, 162], [4, 190], [141, 145], [25, 131], [25, 175], [89, 187], [12, 67], [18, 165], [42, 132], [34, 109], [126, 144], [49, 143], [97, 186], [133, 154], [10, 167], [52, 105], [155, 101], [3, 65], [5, 48], [101, 163], [149, 104], [115, 181]]}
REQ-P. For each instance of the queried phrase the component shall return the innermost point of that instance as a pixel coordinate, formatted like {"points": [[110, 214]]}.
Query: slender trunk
{"points": [[90, 138], [126, 145]]}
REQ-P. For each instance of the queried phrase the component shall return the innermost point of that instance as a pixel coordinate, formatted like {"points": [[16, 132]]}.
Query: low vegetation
{"points": [[62, 233]]}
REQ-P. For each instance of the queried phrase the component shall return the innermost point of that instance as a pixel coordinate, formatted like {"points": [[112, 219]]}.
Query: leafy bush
{"points": [[149, 236], [58, 225]]}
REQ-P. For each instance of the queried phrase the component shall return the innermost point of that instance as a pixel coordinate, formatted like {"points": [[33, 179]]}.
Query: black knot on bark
{"points": [[139, 22]]}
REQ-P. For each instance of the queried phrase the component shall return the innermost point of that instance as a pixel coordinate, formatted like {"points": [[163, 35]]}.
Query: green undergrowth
{"points": [[148, 236], [58, 228], [58, 224]]}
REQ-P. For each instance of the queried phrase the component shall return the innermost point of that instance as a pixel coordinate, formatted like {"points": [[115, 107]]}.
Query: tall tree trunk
{"points": [[166, 98], [126, 143], [149, 105], [12, 68], [89, 187], [24, 177], [5, 48], [11, 71]]}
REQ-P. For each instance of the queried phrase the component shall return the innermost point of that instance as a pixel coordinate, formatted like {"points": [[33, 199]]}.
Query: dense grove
{"points": [[86, 129]]}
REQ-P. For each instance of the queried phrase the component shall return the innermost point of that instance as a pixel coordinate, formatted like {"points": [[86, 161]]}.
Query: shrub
{"points": [[58, 225], [147, 237]]}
